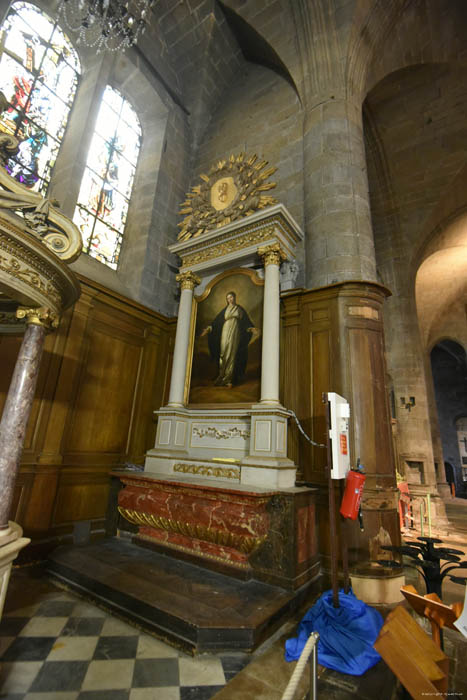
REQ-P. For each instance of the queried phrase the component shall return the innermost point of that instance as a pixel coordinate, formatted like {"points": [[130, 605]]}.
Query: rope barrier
{"points": [[316, 444], [310, 647]]}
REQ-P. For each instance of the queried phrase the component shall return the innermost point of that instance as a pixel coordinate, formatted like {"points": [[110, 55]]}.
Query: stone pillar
{"points": [[18, 404], [272, 257], [339, 241], [188, 281]]}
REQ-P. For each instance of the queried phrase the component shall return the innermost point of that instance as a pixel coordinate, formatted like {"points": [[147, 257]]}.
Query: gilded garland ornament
{"points": [[231, 190]]}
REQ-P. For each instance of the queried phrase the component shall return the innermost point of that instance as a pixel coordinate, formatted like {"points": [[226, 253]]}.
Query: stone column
{"points": [[188, 281], [339, 237], [272, 257], [19, 402]]}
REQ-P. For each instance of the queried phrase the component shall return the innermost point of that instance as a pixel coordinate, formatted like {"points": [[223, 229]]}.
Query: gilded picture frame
{"points": [[225, 351]]}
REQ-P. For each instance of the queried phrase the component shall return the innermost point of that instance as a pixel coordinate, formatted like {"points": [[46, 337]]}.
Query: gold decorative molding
{"points": [[32, 274], [272, 254], [211, 431], [245, 271], [38, 316], [205, 470], [188, 280], [205, 555], [223, 538], [231, 190], [249, 238], [8, 318]]}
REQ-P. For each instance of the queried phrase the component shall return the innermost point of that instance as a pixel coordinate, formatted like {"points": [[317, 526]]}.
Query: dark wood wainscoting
{"points": [[103, 374], [333, 340]]}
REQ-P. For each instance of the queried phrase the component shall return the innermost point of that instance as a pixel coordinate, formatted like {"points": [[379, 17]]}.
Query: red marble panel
{"points": [[223, 525], [306, 533], [226, 554], [243, 517]]}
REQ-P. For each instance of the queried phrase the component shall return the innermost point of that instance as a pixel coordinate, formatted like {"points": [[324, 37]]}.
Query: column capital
{"points": [[38, 316], [272, 254], [188, 280]]}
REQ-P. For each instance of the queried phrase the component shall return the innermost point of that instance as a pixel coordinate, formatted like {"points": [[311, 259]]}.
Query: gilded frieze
{"points": [[223, 538], [206, 470], [37, 277]]}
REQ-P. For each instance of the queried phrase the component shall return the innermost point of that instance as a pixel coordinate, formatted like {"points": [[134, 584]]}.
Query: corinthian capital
{"points": [[272, 254], [188, 280], [38, 316]]}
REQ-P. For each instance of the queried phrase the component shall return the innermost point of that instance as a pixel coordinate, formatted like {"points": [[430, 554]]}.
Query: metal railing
{"points": [[309, 653]]}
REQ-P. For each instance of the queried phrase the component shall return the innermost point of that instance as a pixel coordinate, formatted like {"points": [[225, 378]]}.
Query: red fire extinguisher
{"points": [[350, 506]]}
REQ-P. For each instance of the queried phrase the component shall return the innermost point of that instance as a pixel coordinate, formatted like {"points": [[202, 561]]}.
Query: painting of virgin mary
{"points": [[226, 351]]}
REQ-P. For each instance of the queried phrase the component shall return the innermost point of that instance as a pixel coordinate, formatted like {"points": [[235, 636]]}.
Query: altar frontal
{"points": [[220, 458]]}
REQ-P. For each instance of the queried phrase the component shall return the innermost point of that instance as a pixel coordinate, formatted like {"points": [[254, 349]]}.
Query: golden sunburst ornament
{"points": [[231, 190]]}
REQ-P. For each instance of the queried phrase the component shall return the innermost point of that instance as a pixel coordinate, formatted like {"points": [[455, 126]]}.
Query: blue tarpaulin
{"points": [[346, 634]]}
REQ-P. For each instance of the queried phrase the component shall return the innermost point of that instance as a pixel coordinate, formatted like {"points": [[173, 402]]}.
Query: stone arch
{"points": [[449, 367], [441, 284]]}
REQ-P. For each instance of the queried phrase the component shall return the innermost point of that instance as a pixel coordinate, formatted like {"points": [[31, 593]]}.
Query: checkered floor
{"points": [[63, 648]]}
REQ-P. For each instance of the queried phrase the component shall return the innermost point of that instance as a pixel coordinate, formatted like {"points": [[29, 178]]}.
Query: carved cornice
{"points": [[240, 239], [249, 238], [188, 280]]}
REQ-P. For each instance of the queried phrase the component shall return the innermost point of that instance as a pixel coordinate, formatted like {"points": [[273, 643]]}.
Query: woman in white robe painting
{"points": [[229, 336]]}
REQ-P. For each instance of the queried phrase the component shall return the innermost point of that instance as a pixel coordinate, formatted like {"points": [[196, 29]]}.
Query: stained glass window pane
{"points": [[102, 207], [39, 72]]}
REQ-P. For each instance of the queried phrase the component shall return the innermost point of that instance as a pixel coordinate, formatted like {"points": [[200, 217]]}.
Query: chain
{"points": [[316, 444]]}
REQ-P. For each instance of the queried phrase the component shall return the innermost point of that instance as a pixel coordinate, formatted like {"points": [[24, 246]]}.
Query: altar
{"points": [[218, 486]]}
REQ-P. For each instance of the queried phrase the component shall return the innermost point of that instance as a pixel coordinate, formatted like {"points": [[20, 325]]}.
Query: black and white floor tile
{"points": [[63, 648]]}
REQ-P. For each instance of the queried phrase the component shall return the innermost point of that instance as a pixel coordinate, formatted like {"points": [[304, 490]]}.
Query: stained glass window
{"points": [[39, 72], [108, 178]]}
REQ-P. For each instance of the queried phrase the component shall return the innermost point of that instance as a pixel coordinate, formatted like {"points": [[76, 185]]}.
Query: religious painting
{"points": [[39, 71], [104, 197], [226, 365]]}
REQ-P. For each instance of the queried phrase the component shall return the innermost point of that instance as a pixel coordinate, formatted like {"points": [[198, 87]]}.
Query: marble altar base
{"points": [[247, 532], [246, 446]]}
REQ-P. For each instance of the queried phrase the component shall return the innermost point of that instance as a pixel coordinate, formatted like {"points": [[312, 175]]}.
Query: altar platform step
{"points": [[185, 605]]}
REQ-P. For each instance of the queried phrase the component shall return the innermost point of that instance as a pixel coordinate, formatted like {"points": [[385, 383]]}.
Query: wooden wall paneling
{"points": [[81, 496], [67, 380], [364, 382], [103, 404], [320, 353], [22, 491], [341, 349], [118, 387], [103, 374], [291, 373], [151, 391]]}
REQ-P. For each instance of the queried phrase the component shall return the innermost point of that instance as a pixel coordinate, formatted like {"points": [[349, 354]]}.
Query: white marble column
{"points": [[272, 257], [188, 281]]}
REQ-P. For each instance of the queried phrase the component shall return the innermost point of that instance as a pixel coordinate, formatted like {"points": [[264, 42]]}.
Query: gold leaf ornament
{"points": [[231, 190]]}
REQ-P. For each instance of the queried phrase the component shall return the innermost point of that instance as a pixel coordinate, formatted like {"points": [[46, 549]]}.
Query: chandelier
{"points": [[105, 24]]}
